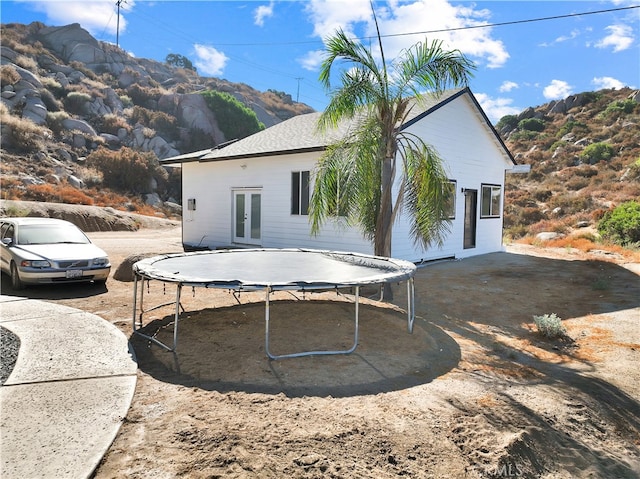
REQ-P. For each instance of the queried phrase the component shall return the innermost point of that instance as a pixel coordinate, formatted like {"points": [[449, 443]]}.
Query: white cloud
{"points": [[101, 16], [496, 108], [409, 17], [262, 12], [620, 38], [312, 60], [209, 61], [507, 86], [607, 82], [562, 38], [557, 90]]}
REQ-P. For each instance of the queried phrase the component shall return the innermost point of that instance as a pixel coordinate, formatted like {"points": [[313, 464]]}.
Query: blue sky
{"points": [[278, 44]]}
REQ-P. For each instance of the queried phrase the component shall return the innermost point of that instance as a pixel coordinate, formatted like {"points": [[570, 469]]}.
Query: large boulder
{"points": [[72, 43], [78, 125]]}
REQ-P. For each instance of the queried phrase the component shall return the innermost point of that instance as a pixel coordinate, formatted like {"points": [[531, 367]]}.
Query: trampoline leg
{"points": [[311, 353], [175, 322], [135, 300], [411, 313]]}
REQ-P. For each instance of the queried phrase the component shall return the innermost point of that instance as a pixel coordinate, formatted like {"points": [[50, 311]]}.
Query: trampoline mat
{"points": [[275, 268]]}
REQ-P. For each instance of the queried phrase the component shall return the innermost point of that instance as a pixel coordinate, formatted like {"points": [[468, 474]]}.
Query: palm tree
{"points": [[355, 176]]}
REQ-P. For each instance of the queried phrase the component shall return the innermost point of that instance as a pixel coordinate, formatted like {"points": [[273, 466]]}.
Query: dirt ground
{"points": [[474, 392]]}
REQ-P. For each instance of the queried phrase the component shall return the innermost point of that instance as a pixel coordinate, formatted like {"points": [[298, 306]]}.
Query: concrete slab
{"points": [[60, 429], [65, 343], [68, 394]]}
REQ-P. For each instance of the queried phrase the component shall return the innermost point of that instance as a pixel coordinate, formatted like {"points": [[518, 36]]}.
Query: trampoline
{"points": [[269, 270]]}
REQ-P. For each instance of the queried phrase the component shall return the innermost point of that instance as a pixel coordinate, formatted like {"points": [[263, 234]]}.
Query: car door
{"points": [[7, 231]]}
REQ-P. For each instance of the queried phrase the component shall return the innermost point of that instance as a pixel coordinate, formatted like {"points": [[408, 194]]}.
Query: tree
{"points": [[355, 175], [179, 61]]}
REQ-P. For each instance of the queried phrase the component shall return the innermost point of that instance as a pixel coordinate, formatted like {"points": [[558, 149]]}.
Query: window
{"points": [[300, 193], [450, 212], [491, 200]]}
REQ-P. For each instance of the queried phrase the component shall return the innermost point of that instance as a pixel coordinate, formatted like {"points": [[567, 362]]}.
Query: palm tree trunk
{"points": [[382, 239]]}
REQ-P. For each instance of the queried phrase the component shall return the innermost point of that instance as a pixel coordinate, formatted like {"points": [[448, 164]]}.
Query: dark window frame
{"points": [[488, 201], [300, 192]]}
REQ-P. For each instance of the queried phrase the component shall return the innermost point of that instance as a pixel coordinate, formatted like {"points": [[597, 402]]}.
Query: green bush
{"points": [[597, 152], [620, 106], [572, 126], [622, 224], [550, 325], [235, 119], [531, 124], [507, 121]]}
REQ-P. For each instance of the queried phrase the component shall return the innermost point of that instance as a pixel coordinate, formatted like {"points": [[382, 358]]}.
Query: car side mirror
{"points": [[7, 241]]}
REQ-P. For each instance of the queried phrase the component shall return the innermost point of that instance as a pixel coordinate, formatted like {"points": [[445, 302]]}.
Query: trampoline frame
{"points": [[138, 320]]}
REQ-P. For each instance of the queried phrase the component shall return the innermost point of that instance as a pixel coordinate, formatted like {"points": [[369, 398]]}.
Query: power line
{"points": [[514, 22], [443, 30]]}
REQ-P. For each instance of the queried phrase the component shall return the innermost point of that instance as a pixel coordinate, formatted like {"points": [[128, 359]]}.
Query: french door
{"points": [[247, 216]]}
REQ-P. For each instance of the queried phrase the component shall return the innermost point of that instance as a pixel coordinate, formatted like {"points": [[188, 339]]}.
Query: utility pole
{"points": [[298, 94], [118, 24]]}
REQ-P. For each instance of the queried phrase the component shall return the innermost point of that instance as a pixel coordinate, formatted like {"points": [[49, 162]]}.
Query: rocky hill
{"points": [[83, 122], [65, 96], [584, 153]]}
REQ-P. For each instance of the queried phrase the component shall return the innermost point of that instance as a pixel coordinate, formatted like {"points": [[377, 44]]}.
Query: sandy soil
{"points": [[473, 392]]}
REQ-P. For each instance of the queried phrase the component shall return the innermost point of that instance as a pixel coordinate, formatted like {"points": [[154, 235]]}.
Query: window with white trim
{"points": [[300, 192], [491, 201]]}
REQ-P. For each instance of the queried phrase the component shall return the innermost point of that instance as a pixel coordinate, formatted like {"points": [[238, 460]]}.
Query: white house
{"points": [[254, 192]]}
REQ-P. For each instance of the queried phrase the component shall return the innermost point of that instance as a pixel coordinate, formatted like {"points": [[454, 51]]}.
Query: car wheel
{"points": [[16, 282]]}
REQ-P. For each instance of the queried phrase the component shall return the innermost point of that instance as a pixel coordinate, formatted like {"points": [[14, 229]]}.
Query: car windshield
{"points": [[51, 234]]}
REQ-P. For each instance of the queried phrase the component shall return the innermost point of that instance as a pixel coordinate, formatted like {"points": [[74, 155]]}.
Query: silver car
{"points": [[48, 250]]}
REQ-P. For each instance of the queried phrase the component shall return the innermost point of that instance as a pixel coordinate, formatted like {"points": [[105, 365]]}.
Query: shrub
{"points": [[235, 119], [550, 326], [63, 193], [8, 75], [144, 96], [165, 124], [111, 123], [620, 106], [22, 135], [574, 126], [531, 124], [634, 170], [26, 62], [49, 100], [76, 102], [509, 122], [597, 152], [125, 169], [622, 224], [55, 119]]}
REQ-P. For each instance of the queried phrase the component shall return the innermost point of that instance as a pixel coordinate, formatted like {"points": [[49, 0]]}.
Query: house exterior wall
{"points": [[212, 184], [472, 155], [472, 158]]}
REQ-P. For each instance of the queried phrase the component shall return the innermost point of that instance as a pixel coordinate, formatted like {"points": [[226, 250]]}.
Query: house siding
{"points": [[212, 185], [473, 157]]}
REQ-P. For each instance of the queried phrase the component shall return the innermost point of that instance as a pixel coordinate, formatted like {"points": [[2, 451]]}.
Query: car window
{"points": [[50, 234]]}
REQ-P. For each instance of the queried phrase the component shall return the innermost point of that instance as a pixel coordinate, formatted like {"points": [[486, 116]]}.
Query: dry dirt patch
{"points": [[474, 392]]}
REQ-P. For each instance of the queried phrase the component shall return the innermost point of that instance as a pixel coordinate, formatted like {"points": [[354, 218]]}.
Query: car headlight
{"points": [[101, 261], [35, 264]]}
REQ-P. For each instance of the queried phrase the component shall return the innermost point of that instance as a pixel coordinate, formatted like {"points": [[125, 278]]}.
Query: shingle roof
{"points": [[300, 134]]}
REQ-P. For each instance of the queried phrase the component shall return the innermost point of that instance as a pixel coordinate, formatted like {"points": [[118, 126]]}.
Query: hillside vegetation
{"points": [[85, 123], [584, 153]]}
